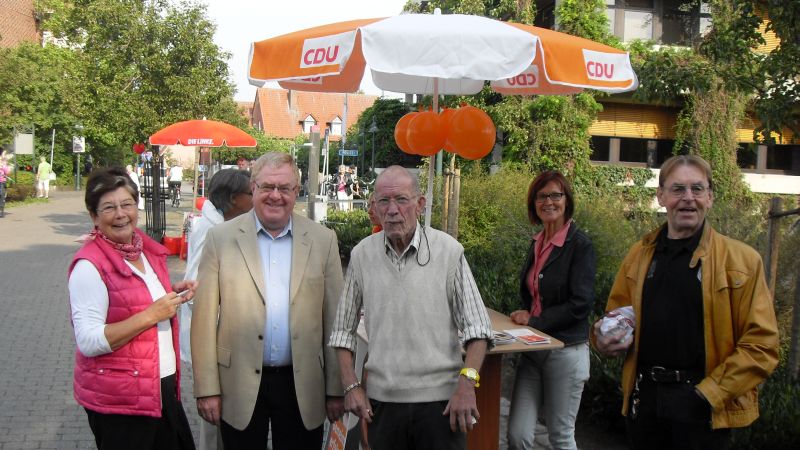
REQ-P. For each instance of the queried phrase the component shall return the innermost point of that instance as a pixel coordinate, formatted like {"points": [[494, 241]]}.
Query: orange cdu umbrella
{"points": [[439, 54], [202, 133], [407, 53]]}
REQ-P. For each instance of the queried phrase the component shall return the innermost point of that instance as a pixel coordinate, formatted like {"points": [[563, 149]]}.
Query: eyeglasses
{"points": [[400, 201], [110, 209], [679, 190], [553, 196], [284, 190]]}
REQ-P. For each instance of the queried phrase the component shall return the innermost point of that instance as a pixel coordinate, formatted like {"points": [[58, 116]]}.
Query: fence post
{"points": [[794, 342], [773, 244]]}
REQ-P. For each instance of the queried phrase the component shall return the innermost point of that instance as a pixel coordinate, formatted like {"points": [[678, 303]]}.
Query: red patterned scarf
{"points": [[130, 252]]}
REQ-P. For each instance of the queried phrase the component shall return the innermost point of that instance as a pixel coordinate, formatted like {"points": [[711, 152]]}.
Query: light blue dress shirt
{"points": [[276, 261]]}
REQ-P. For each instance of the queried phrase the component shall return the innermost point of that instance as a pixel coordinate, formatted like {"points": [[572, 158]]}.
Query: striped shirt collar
{"points": [[414, 243]]}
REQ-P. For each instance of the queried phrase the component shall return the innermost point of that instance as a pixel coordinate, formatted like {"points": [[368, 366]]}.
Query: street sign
{"points": [[348, 152], [78, 144]]}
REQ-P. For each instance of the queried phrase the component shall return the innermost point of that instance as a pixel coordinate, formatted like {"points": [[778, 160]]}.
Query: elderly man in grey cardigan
{"points": [[417, 292]]}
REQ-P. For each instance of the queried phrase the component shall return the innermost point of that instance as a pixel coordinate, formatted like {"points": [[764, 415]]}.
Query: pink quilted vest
{"points": [[125, 381]]}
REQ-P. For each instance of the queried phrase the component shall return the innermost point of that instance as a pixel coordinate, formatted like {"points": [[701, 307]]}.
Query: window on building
{"points": [[785, 158], [308, 122], [336, 126], [545, 14], [633, 150], [747, 156], [682, 23], [672, 22], [601, 148], [663, 151]]}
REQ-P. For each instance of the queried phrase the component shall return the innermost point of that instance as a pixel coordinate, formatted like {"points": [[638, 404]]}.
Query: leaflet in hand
{"points": [[527, 336]]}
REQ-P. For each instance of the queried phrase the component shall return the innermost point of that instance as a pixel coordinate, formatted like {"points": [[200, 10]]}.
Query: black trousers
{"points": [[413, 426], [673, 416], [127, 432], [276, 403]]}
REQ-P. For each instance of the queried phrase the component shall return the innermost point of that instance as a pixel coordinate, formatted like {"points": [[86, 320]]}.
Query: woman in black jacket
{"points": [[556, 289]]}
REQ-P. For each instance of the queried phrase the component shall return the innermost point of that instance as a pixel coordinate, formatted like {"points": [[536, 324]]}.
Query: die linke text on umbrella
{"points": [[196, 141]]}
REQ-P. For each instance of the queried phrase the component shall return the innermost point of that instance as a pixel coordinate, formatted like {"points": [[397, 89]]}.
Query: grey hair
{"points": [[399, 170], [225, 184], [273, 159]]}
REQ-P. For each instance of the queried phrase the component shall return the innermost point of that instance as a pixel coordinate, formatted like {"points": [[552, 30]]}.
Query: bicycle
{"points": [[175, 193]]}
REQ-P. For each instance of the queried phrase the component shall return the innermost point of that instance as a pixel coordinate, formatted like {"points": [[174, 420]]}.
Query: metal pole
{"points": [[373, 154], [78, 173], [52, 144], [313, 174], [431, 162]]}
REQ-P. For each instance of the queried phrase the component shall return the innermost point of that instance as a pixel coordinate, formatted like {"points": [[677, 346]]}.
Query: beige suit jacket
{"points": [[229, 315]]}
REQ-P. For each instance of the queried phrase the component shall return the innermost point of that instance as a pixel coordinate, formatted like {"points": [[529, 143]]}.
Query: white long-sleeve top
{"points": [[210, 216], [88, 298]]}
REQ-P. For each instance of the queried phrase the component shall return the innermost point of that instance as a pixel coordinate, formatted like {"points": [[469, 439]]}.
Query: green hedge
{"points": [[350, 228]]}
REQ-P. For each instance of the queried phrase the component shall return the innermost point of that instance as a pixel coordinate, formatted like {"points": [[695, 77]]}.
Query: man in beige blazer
{"points": [[269, 286]]}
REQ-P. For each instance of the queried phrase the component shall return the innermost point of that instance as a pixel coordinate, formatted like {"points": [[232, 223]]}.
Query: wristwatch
{"points": [[471, 374]]}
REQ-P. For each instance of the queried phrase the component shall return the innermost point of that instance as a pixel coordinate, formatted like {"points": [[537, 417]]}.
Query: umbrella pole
{"points": [[194, 191], [432, 162]]}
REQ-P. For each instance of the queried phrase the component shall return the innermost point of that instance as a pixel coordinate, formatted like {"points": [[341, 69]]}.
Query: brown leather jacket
{"points": [[741, 332]]}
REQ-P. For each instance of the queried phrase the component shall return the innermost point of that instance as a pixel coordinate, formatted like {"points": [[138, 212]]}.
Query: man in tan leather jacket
{"points": [[705, 333]]}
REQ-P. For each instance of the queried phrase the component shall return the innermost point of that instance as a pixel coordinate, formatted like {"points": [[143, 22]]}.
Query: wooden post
{"points": [[773, 244], [448, 177], [452, 220], [794, 343]]}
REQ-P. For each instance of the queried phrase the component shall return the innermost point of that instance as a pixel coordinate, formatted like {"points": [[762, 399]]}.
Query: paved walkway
{"points": [[37, 242]]}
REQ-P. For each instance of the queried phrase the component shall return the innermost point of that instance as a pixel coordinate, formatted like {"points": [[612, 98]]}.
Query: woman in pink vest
{"points": [[127, 373]]}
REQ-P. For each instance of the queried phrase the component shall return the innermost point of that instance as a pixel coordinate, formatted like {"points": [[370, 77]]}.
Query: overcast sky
{"points": [[240, 22]]}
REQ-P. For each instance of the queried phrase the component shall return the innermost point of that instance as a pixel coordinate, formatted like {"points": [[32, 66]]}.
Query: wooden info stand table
{"points": [[486, 433]]}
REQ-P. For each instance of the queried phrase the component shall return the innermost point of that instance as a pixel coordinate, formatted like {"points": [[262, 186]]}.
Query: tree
{"points": [[40, 88], [143, 65]]}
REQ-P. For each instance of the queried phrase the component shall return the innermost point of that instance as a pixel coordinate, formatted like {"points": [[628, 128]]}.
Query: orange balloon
{"points": [[472, 133], [425, 134], [401, 133], [444, 117], [198, 203]]}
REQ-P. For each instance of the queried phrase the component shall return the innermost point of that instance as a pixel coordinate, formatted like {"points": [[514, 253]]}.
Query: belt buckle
{"points": [[656, 372], [662, 375]]}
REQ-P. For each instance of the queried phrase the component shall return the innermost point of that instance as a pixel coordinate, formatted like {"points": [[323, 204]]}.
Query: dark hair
{"points": [[103, 181], [539, 183], [225, 184]]}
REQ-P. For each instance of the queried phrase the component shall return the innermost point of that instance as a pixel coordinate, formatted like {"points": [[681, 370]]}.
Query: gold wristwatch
{"points": [[471, 374]]}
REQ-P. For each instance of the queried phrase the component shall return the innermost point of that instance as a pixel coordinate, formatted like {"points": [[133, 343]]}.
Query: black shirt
{"points": [[671, 329]]}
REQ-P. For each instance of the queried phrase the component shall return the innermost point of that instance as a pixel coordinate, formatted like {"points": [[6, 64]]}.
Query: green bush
{"points": [[22, 178], [350, 228], [20, 192], [778, 425]]}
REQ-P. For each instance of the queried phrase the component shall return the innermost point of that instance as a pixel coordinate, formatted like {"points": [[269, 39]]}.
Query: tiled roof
{"points": [[17, 23], [280, 112]]}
